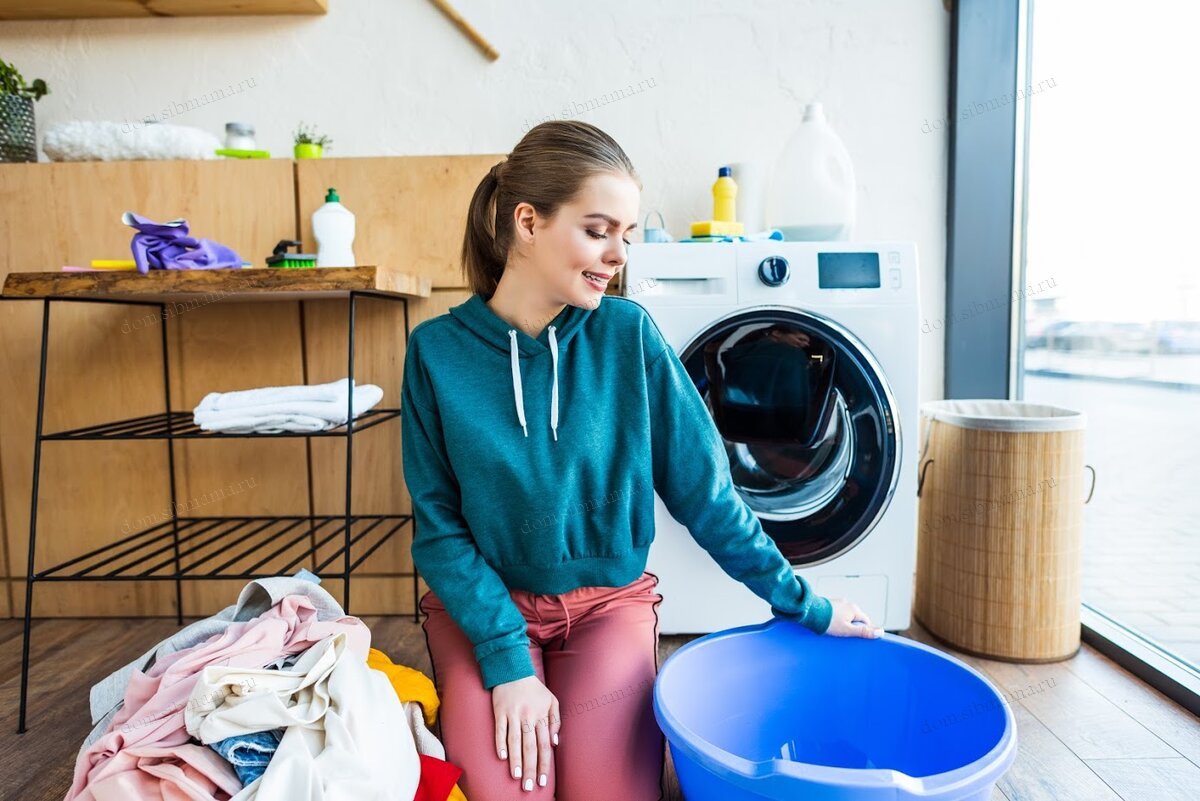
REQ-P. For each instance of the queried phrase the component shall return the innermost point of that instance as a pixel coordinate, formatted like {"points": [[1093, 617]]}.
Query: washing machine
{"points": [[806, 355]]}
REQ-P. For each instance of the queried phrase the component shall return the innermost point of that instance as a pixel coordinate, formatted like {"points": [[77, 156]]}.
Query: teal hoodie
{"points": [[532, 465]]}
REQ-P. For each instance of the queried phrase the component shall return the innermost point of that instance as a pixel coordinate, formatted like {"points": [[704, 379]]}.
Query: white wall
{"points": [[722, 82]]}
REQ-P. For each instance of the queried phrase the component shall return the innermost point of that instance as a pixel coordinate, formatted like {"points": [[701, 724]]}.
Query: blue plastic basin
{"points": [[775, 711]]}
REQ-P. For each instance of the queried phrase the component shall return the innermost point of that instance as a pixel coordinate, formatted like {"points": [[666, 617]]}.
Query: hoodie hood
{"points": [[478, 317]]}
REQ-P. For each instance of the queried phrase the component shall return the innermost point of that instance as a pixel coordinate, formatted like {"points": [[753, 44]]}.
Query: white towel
{"points": [[274, 409], [219, 401]]}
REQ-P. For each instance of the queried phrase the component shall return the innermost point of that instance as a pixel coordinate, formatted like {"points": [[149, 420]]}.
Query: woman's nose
{"points": [[616, 257]]}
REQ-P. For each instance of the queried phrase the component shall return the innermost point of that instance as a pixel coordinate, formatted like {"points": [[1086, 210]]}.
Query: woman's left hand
{"points": [[843, 623]]}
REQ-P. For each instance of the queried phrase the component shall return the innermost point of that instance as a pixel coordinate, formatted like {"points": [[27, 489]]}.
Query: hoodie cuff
{"points": [[819, 615], [816, 616], [508, 664]]}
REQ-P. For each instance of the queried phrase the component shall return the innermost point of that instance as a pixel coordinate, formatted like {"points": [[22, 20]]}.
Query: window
{"points": [[1100, 169]]}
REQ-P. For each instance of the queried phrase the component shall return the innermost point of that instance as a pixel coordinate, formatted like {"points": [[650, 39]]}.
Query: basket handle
{"points": [[1092, 490], [924, 450], [921, 477]]}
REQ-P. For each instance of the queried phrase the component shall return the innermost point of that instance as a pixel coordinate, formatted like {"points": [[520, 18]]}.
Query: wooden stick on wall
{"points": [[467, 28]]}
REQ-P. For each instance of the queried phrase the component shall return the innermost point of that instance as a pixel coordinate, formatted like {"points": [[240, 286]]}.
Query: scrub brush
{"points": [[282, 258]]}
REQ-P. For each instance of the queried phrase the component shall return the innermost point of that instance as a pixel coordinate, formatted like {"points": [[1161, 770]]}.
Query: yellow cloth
{"points": [[410, 684]]}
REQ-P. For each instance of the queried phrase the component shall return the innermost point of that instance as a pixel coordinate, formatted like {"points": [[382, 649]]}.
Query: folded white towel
{"points": [[277, 409], [267, 424], [333, 391], [365, 397]]}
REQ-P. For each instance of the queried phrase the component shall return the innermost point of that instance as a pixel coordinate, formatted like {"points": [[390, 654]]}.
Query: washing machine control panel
{"points": [[812, 274], [807, 274], [774, 271]]}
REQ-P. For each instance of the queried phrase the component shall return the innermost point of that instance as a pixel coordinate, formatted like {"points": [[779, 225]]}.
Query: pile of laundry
{"points": [[279, 697], [270, 410]]}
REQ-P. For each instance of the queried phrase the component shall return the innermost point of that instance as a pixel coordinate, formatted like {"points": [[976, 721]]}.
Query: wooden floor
{"points": [[1089, 731]]}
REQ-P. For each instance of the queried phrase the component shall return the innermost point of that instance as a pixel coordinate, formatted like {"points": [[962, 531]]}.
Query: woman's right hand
{"points": [[849, 620], [527, 721]]}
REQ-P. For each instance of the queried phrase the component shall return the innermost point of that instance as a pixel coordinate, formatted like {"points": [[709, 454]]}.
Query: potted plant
{"points": [[18, 136], [308, 144]]}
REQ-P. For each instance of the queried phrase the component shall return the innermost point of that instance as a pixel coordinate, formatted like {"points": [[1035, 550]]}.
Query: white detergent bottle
{"points": [[812, 188], [333, 227]]}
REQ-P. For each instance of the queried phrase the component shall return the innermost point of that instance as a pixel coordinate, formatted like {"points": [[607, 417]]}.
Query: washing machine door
{"points": [[809, 424]]}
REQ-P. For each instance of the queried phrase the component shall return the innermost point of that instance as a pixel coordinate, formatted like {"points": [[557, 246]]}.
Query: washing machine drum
{"points": [[808, 422]]}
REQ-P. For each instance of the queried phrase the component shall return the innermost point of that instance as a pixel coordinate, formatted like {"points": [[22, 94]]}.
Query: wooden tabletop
{"points": [[247, 284]]}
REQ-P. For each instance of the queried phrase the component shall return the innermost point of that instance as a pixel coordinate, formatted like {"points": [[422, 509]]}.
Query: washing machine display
{"points": [[848, 270], [808, 421]]}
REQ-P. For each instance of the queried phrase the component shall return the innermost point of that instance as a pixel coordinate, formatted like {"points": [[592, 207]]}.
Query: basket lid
{"points": [[1004, 415]]}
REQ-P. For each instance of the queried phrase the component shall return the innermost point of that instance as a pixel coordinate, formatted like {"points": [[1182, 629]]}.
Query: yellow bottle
{"points": [[724, 196]]}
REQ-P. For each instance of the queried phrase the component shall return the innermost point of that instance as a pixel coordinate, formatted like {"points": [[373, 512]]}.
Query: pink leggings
{"points": [[596, 650]]}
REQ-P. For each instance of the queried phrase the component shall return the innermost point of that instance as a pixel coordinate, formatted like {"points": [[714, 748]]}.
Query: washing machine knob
{"points": [[774, 271]]}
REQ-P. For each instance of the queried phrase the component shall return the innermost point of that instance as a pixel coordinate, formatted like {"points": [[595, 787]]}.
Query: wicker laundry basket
{"points": [[1000, 528]]}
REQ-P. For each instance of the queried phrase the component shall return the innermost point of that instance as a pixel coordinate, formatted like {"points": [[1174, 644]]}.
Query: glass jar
{"points": [[239, 136]]}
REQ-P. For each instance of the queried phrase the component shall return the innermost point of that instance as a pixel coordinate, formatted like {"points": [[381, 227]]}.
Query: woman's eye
{"points": [[601, 235]]}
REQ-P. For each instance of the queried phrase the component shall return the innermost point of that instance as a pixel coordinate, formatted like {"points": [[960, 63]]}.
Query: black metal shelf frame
{"points": [[197, 548], [205, 539], [179, 425]]}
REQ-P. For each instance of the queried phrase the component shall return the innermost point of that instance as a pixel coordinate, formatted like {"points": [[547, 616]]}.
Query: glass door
{"points": [[1111, 293], [808, 421]]}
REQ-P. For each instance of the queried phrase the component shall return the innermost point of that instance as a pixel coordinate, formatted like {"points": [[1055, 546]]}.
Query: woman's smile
{"points": [[597, 281]]}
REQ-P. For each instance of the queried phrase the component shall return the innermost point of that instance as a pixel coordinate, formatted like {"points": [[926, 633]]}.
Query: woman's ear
{"points": [[524, 221]]}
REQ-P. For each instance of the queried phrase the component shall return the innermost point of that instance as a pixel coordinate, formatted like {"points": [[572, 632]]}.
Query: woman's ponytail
{"points": [[482, 263]]}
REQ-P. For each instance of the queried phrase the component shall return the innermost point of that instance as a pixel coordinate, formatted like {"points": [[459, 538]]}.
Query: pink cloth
{"points": [[146, 751], [181, 772]]}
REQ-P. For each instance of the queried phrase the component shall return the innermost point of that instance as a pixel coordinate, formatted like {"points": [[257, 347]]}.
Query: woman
{"points": [[537, 423]]}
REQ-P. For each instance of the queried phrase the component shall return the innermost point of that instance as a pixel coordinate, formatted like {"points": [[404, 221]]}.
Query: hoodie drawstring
{"points": [[554, 395], [518, 393], [516, 377]]}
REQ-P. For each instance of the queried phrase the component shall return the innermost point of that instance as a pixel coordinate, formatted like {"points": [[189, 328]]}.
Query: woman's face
{"points": [[576, 253]]}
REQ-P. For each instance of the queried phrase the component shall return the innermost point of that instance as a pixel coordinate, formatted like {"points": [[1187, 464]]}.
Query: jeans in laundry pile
{"points": [[249, 753]]}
